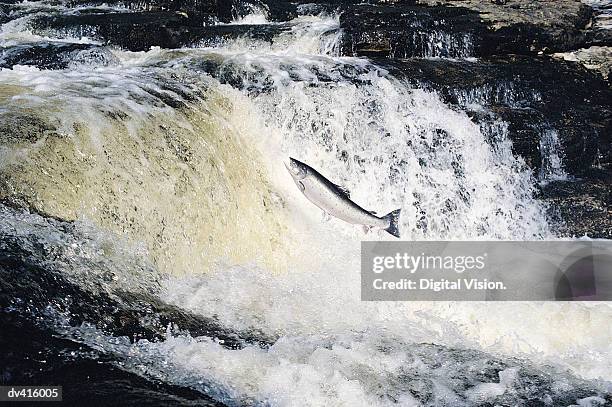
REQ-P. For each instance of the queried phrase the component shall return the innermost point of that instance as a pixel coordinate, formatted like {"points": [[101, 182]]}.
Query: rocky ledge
{"points": [[139, 31], [582, 206], [596, 58], [532, 26], [430, 28]]}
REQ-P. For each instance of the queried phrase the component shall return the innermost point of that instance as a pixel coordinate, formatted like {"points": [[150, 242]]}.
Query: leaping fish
{"points": [[335, 200]]}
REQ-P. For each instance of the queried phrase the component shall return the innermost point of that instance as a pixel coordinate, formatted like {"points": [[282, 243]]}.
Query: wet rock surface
{"points": [[595, 58], [49, 55], [139, 31], [473, 28], [87, 376], [531, 94], [404, 31], [531, 26], [601, 33], [583, 206]]}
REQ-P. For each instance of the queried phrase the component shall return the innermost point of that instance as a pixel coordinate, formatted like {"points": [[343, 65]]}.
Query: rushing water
{"points": [[160, 174]]}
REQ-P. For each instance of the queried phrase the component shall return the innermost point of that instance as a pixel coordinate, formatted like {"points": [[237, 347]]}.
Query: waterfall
{"points": [[160, 174]]}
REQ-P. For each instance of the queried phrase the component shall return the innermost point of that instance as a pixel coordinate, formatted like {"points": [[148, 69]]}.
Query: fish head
{"points": [[297, 169]]}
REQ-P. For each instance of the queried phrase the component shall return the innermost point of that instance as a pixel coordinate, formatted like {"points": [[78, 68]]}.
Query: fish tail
{"points": [[393, 219]]}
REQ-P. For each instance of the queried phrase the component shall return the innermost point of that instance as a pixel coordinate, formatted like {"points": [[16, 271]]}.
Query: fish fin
{"points": [[373, 212], [301, 186], [344, 191], [393, 219], [366, 229]]}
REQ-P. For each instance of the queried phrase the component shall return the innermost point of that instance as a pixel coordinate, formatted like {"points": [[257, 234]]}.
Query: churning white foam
{"points": [[392, 146]]}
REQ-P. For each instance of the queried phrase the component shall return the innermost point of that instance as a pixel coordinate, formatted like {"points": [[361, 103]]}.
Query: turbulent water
{"points": [[157, 177]]}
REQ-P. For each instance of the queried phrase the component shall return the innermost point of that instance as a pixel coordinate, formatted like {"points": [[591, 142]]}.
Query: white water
{"points": [[552, 157], [440, 44], [392, 146]]}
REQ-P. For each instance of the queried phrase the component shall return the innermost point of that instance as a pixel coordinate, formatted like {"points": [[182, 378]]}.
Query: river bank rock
{"points": [[139, 31], [582, 206], [223, 11], [464, 28], [532, 94], [53, 55], [596, 58], [539, 25], [601, 27]]}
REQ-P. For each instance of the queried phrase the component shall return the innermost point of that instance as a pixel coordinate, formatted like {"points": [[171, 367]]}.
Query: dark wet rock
{"points": [[277, 10], [5, 13], [227, 10], [601, 37], [208, 11], [198, 11], [50, 55], [283, 10], [596, 58], [35, 356], [581, 206], [140, 31], [524, 127], [532, 95], [255, 79], [410, 31], [600, 32], [520, 26], [464, 28], [135, 31], [12, 10]]}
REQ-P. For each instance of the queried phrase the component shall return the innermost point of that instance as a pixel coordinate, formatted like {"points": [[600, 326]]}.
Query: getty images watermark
{"points": [[487, 271]]}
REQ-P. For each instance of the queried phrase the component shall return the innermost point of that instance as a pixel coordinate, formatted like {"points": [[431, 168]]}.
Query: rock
{"points": [[533, 94], [581, 206], [196, 10], [51, 55], [465, 28], [139, 31], [595, 58], [222, 10], [520, 26], [85, 372], [601, 30], [410, 31]]}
